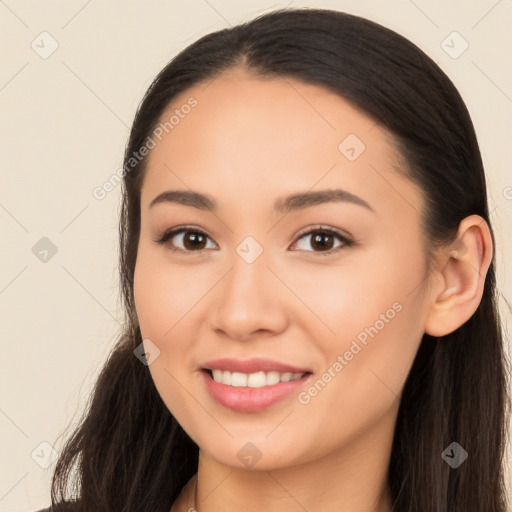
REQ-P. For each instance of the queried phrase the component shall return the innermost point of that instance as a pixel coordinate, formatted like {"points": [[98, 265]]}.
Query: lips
{"points": [[252, 395]]}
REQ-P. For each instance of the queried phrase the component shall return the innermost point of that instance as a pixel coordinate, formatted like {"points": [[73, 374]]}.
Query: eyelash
{"points": [[347, 242]]}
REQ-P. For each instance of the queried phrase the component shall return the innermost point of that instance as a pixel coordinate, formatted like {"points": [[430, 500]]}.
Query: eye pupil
{"points": [[191, 238], [319, 239]]}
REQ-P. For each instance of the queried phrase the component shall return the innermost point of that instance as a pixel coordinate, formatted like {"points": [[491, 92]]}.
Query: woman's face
{"points": [[262, 284]]}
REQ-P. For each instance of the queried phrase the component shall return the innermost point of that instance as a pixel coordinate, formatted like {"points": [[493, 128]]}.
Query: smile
{"points": [[254, 380], [252, 392]]}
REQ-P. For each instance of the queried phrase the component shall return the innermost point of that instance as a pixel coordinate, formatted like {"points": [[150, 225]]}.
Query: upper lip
{"points": [[253, 365]]}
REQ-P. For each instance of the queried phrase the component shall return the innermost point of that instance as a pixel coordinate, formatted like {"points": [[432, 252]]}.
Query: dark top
{"points": [[61, 507]]}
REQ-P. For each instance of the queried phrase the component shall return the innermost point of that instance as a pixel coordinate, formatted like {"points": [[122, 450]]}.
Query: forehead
{"points": [[251, 138], [270, 115]]}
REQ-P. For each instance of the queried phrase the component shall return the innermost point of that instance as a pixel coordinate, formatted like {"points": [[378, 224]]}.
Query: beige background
{"points": [[65, 119]]}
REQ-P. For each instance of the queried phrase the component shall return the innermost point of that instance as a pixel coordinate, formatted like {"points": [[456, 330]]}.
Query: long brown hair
{"points": [[129, 454]]}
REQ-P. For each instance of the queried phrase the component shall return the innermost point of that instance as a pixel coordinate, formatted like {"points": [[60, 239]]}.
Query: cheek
{"points": [[348, 298], [366, 365], [161, 305], [371, 310], [376, 314], [147, 294], [163, 293]]}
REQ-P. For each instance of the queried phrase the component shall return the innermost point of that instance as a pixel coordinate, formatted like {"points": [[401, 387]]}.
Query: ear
{"points": [[462, 276]]}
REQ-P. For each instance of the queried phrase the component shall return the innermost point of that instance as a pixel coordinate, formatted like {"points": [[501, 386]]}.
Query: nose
{"points": [[249, 301]]}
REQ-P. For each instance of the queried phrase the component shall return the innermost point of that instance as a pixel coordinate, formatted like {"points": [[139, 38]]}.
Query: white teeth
{"points": [[271, 378], [238, 379], [285, 377], [253, 380], [256, 380]]}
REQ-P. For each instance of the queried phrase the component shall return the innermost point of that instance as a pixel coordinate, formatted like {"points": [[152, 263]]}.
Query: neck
{"points": [[351, 477]]}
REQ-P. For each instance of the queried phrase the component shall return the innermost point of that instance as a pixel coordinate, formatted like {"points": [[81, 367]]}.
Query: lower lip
{"points": [[245, 399]]}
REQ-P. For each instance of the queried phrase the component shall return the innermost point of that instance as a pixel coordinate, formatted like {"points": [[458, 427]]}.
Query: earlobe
{"points": [[462, 268]]}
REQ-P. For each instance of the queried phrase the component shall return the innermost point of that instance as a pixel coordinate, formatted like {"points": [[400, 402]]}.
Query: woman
{"points": [[308, 273]]}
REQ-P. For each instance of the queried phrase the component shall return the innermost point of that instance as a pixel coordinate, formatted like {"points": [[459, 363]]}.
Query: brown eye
{"points": [[193, 240], [188, 239], [323, 240], [185, 239]]}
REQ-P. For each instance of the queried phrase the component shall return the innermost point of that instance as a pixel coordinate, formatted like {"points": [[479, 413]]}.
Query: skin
{"points": [[248, 142]]}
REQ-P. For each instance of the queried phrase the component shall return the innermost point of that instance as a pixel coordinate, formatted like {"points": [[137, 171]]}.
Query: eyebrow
{"points": [[287, 204]]}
